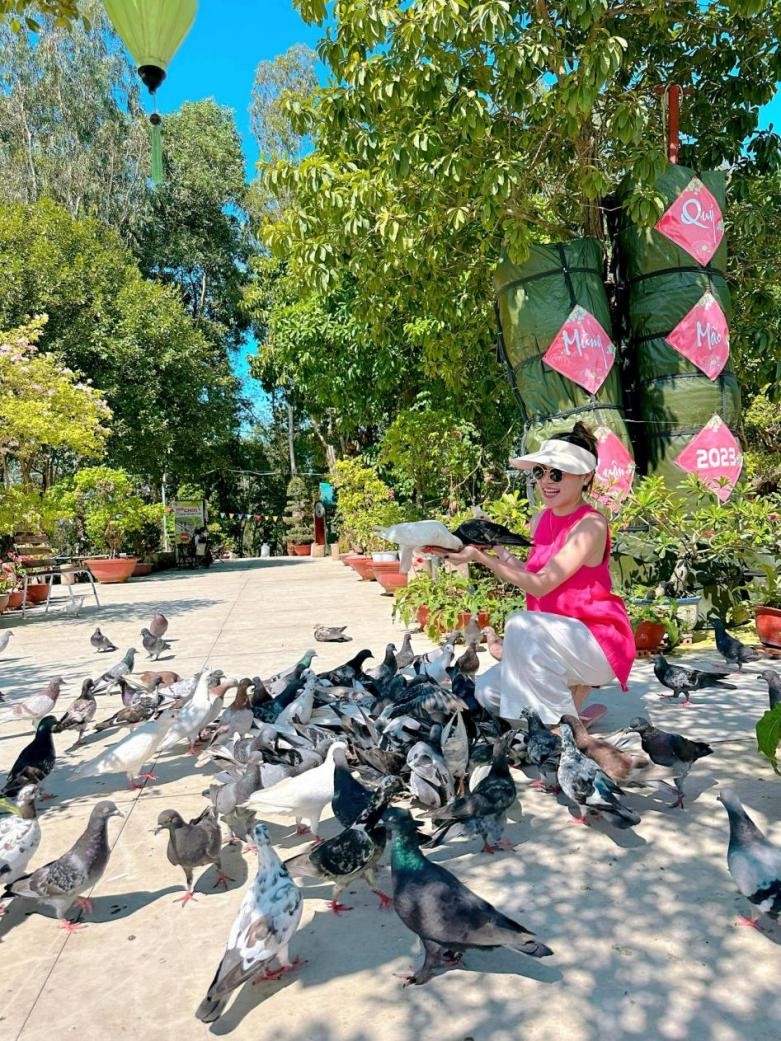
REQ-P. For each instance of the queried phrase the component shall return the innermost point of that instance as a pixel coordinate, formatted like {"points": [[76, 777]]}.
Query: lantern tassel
{"points": [[157, 148]]}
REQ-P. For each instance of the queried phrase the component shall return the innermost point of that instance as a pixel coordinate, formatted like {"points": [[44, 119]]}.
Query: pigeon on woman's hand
{"points": [[448, 917], [266, 923], [483, 532], [61, 882], [753, 861], [193, 845]]}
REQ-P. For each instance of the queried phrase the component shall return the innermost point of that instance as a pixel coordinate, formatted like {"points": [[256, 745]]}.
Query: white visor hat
{"points": [[571, 459]]}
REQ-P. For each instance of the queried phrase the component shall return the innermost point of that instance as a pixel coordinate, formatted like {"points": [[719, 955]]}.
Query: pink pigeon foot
{"points": [[302, 829], [408, 977], [250, 848], [85, 904], [386, 902], [222, 880], [147, 777], [338, 908], [71, 927], [192, 750], [46, 796], [687, 704], [749, 923], [188, 896], [501, 844], [578, 820], [277, 974]]}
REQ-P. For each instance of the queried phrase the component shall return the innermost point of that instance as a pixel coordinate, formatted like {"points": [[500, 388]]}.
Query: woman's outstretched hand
{"points": [[467, 555]]}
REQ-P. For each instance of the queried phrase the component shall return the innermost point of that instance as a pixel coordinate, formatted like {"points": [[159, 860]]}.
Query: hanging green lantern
{"points": [[152, 30]]}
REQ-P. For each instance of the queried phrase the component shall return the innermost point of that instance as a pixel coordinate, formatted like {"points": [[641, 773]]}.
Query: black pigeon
{"points": [[353, 853], [101, 643], [681, 680], [482, 812], [481, 532], [732, 649], [448, 917], [344, 675], [468, 663], [35, 761], [193, 845], [542, 750], [269, 710], [81, 712], [386, 670], [753, 862], [260, 692], [773, 680], [350, 796], [673, 750], [331, 634]]}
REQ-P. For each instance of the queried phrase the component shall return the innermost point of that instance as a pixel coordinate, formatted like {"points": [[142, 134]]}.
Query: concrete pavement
{"points": [[641, 923]]}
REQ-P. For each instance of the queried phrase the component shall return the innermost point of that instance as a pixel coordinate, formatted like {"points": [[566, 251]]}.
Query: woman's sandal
{"points": [[592, 713]]}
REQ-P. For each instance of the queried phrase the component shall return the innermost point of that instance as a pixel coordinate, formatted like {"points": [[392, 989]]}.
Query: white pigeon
{"points": [[304, 796], [4, 639], [20, 836], [36, 706], [415, 535], [204, 706], [300, 708], [261, 932], [130, 754], [437, 670]]}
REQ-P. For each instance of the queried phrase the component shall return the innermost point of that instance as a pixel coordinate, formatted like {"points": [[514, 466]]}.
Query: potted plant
{"points": [[145, 540], [766, 601], [112, 515], [299, 528], [7, 583], [653, 622]]}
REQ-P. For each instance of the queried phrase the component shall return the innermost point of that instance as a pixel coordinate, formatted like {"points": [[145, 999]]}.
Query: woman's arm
{"points": [[586, 542]]}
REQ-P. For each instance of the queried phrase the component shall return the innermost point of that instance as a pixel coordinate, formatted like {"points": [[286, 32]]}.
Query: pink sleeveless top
{"points": [[587, 595]]}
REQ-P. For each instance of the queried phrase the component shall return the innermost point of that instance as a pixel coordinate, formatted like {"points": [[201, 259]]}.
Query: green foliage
{"points": [[28, 14], [29, 508], [766, 593], [512, 510], [659, 610], [363, 503], [449, 595], [769, 735], [112, 514], [299, 527]]}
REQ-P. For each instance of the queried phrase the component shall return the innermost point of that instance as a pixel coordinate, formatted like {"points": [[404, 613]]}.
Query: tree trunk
{"points": [[290, 444], [330, 451]]}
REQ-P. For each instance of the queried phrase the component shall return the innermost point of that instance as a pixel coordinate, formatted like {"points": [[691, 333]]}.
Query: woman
{"points": [[575, 633]]}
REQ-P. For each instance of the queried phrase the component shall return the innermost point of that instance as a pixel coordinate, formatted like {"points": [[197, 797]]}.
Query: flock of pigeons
{"points": [[408, 731]]}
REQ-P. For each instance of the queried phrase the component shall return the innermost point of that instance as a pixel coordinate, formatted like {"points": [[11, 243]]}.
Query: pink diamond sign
{"points": [[702, 336], [694, 221], [581, 350], [715, 457], [615, 469]]}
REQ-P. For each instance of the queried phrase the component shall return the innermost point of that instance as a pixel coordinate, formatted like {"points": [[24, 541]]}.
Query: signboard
{"points": [[615, 469], [715, 456], [694, 222], [702, 336], [188, 515], [581, 350]]}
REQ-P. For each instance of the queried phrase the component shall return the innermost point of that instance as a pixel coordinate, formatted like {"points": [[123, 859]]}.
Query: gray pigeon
{"points": [[753, 862], [81, 712], [673, 750], [405, 655], [448, 917], [105, 684], [159, 624], [101, 643], [730, 648], [331, 634], [773, 680], [681, 680], [61, 882], [589, 787], [261, 932], [4, 639], [153, 645], [542, 750], [228, 799], [193, 845]]}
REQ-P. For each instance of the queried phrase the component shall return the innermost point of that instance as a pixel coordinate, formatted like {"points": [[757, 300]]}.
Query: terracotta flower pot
{"points": [[421, 616], [391, 580], [296, 549], [348, 558], [385, 567], [4, 598], [15, 600], [768, 623], [483, 619], [363, 566], [108, 572], [141, 570], [649, 635], [37, 592]]}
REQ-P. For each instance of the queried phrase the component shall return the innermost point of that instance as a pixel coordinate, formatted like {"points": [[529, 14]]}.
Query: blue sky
{"points": [[219, 57]]}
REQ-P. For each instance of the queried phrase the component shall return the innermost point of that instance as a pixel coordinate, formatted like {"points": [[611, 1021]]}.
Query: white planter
{"points": [[384, 558]]}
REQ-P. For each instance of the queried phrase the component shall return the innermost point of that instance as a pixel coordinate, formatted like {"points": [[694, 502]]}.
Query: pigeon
{"points": [[482, 532], [414, 535], [193, 845], [34, 707], [237, 717], [448, 917], [168, 678], [468, 663], [278, 682], [130, 754], [351, 854], [731, 649], [101, 643], [331, 634], [437, 670], [681, 680], [344, 675], [105, 684], [455, 749], [484, 810], [61, 882], [386, 670], [494, 643], [139, 706], [205, 705], [773, 680], [159, 624], [590, 788], [623, 767], [261, 932], [473, 633], [350, 797], [405, 655], [228, 799], [542, 750], [153, 645], [429, 781], [20, 836], [673, 750], [5, 639], [304, 796], [81, 712], [753, 861], [35, 761]]}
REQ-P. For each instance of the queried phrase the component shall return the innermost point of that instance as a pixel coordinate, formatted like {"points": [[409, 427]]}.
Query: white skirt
{"points": [[544, 655]]}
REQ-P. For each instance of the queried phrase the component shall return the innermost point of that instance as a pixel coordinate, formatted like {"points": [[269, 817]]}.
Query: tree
{"points": [[17, 12], [46, 412], [71, 124]]}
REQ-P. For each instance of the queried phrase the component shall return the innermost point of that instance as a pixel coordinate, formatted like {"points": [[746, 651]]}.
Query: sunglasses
{"points": [[556, 475]]}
